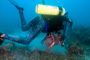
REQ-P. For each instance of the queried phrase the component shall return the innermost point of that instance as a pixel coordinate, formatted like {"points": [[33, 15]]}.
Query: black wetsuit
{"points": [[55, 23]]}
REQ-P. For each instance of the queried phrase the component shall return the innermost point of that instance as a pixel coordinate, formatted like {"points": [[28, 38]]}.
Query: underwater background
{"points": [[78, 11]]}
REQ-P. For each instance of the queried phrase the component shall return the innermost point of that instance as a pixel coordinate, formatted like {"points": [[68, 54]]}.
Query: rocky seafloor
{"points": [[77, 44]]}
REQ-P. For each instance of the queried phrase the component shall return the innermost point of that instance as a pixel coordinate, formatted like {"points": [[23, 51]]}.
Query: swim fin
{"points": [[16, 5], [1, 39], [1, 42]]}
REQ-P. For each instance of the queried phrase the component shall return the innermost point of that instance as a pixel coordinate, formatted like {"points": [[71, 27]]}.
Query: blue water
{"points": [[79, 11]]}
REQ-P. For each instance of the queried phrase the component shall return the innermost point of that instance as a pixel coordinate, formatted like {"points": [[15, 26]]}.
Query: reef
{"points": [[81, 34], [78, 41], [23, 54]]}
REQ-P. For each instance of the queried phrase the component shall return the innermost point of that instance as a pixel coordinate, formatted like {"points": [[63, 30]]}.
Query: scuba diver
{"points": [[46, 23]]}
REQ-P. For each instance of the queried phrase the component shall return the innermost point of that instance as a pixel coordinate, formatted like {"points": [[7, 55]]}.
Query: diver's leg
{"points": [[28, 39], [33, 22], [11, 38], [17, 39], [16, 5], [33, 33], [20, 9], [36, 29]]}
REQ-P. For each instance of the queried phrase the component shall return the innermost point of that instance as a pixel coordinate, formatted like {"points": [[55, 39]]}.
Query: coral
{"points": [[24, 54], [75, 49], [4, 48], [78, 41], [80, 33]]}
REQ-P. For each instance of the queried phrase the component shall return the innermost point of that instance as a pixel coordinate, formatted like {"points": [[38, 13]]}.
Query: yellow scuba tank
{"points": [[49, 10]]}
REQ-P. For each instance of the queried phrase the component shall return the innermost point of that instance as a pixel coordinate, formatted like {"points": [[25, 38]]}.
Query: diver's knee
{"points": [[24, 29], [27, 43]]}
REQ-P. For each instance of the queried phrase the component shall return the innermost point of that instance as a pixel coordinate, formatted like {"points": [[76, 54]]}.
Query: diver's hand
{"points": [[63, 37], [70, 24], [61, 43]]}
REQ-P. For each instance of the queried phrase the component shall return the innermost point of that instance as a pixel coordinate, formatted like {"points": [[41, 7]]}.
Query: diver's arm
{"points": [[70, 26], [68, 21], [64, 31]]}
